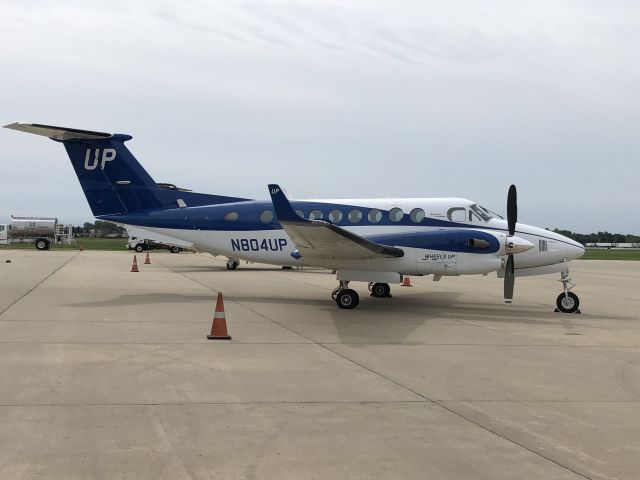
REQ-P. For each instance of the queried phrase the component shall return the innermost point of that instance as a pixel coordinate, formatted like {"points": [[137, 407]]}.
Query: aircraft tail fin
{"points": [[112, 179]]}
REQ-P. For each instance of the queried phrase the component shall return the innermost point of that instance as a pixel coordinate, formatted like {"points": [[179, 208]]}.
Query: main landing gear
{"points": [[344, 296], [567, 301], [380, 290], [232, 263], [348, 298]]}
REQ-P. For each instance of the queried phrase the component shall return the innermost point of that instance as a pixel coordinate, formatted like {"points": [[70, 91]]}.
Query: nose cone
{"points": [[517, 245], [573, 249]]}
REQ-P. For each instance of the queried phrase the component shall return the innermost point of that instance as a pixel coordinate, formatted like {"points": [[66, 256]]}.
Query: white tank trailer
{"points": [[39, 230]]}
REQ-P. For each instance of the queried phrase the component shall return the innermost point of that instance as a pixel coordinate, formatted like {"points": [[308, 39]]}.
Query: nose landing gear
{"points": [[567, 301]]}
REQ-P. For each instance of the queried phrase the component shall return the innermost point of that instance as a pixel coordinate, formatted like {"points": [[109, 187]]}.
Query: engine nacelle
{"points": [[460, 252], [470, 264], [457, 263]]}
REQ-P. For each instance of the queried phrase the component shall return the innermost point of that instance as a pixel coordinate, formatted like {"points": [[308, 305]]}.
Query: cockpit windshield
{"points": [[484, 213]]}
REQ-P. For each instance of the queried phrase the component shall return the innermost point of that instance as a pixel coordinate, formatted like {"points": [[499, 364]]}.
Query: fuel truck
{"points": [[40, 231]]}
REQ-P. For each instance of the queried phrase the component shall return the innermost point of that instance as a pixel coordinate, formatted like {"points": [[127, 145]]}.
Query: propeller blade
{"points": [[512, 209], [509, 279]]}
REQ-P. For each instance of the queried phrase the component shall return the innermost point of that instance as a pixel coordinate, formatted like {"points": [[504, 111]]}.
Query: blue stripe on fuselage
{"points": [[452, 240], [211, 217]]}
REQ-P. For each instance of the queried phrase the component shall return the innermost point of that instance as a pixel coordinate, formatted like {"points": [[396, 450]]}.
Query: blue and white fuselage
{"points": [[433, 232], [372, 240]]}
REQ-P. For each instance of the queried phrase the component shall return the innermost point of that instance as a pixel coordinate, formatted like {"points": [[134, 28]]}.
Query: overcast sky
{"points": [[335, 99]]}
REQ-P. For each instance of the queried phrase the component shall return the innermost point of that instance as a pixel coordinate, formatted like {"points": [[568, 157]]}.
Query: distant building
{"points": [[612, 245]]}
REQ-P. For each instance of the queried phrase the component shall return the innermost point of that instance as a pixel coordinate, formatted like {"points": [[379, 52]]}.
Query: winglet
{"points": [[282, 206]]}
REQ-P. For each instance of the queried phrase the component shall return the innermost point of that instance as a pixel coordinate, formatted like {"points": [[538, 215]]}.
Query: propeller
{"points": [[509, 279], [512, 218], [512, 209]]}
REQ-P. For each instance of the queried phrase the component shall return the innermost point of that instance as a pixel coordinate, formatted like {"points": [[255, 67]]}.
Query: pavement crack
{"points": [[37, 285]]}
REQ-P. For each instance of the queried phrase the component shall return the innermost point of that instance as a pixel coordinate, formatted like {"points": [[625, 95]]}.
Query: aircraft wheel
{"points": [[347, 299], [232, 265], [42, 244], [380, 290], [568, 303]]}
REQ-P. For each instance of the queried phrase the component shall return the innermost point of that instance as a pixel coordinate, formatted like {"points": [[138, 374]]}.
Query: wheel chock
{"points": [[557, 310]]}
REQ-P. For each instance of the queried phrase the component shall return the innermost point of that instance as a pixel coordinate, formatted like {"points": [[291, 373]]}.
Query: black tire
{"points": [[42, 244], [175, 249], [380, 290], [139, 248], [233, 265], [568, 303], [347, 299]]}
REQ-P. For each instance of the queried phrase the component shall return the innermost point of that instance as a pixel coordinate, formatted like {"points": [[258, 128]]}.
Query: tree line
{"points": [[99, 229], [600, 237]]}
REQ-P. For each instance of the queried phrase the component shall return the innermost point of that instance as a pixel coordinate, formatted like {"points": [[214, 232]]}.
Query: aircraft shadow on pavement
{"points": [[376, 320], [147, 299], [456, 320]]}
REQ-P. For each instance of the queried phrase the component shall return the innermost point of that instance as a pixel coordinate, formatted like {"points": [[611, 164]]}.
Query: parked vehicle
{"points": [[41, 231], [144, 244], [141, 240]]}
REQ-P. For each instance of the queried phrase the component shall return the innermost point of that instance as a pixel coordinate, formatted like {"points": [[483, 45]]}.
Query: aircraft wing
{"points": [[319, 239]]}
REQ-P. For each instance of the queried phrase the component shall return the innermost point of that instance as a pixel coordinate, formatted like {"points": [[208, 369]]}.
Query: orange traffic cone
{"points": [[134, 265], [147, 261], [219, 325], [406, 282]]}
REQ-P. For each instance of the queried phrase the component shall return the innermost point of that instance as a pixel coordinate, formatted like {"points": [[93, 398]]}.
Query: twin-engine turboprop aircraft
{"points": [[373, 240]]}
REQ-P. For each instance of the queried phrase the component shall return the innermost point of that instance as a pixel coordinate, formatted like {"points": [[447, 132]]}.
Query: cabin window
{"points": [[335, 216], [457, 214], [374, 216], [417, 215], [395, 214], [315, 215], [300, 213], [231, 216], [355, 216], [266, 216]]}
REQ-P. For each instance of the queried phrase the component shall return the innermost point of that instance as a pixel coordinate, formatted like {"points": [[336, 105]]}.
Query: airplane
{"points": [[376, 241]]}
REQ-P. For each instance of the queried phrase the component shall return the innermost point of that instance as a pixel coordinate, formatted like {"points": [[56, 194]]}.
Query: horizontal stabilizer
{"points": [[58, 133]]}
